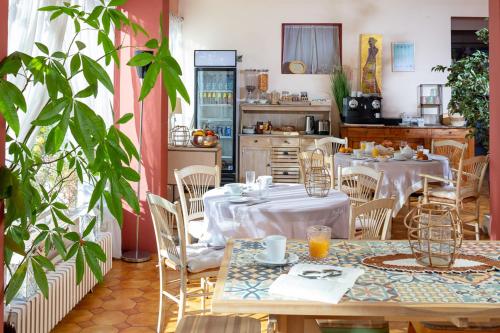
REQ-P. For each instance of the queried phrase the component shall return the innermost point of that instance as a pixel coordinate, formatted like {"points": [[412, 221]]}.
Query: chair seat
{"points": [[196, 228], [219, 324], [450, 192], [199, 257]]}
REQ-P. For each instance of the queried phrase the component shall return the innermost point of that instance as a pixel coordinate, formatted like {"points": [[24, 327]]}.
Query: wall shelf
{"points": [[268, 108]]}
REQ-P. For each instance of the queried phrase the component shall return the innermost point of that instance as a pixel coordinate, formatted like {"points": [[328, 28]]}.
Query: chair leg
{"points": [[478, 224], [182, 296], [204, 290], [161, 312]]}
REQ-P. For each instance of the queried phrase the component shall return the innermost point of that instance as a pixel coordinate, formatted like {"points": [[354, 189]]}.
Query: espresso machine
{"points": [[362, 110]]}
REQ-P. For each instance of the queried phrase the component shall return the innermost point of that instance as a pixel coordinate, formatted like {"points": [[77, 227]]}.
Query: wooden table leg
{"points": [[295, 324]]}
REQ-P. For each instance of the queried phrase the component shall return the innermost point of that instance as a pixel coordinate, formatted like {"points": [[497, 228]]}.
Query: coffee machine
{"points": [[362, 110]]}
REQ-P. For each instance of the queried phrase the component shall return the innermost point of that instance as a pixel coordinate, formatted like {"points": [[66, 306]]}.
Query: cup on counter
{"points": [[357, 153], [233, 189], [318, 237], [275, 248]]}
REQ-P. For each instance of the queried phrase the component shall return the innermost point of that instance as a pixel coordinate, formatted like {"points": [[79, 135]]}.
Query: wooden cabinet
{"points": [[273, 155], [256, 159], [413, 135]]}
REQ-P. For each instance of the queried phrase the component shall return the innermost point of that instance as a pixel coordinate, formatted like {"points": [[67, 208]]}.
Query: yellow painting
{"points": [[371, 63]]}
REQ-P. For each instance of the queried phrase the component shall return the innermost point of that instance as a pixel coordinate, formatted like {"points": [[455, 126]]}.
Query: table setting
{"points": [[402, 168], [261, 208]]}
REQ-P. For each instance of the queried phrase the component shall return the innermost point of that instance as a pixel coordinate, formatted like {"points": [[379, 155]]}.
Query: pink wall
{"points": [[155, 128], [4, 18], [494, 23]]}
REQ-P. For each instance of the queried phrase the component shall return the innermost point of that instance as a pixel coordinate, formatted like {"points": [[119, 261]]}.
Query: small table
{"points": [[401, 178], [242, 287], [288, 211]]}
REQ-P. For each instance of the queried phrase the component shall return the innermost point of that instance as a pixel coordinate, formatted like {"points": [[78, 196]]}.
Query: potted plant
{"points": [[340, 88], [468, 79], [97, 154]]}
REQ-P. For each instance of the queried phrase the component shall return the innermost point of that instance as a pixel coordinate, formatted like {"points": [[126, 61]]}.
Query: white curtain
{"points": [[27, 25], [316, 45], [176, 49]]}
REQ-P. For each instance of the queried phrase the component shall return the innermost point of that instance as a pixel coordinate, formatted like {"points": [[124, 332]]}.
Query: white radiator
{"points": [[40, 315]]}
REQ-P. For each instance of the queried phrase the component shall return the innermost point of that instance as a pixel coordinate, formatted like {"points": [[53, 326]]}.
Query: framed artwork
{"points": [[310, 48], [403, 57], [371, 63]]}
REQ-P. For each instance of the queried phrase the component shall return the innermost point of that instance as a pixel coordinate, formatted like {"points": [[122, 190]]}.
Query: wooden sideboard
{"points": [[413, 135], [275, 155]]}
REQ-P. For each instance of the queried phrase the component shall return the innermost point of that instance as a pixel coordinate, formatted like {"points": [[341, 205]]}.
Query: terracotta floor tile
{"points": [[150, 306], [67, 328], [130, 311], [84, 324], [97, 310], [118, 304], [139, 330], [109, 318], [100, 329], [122, 326], [131, 293], [143, 319], [78, 316]]}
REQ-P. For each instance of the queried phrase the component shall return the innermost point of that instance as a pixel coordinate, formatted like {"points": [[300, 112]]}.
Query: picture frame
{"points": [[403, 56]]}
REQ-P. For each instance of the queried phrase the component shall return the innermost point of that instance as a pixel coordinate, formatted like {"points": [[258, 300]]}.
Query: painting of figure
{"points": [[371, 64]]}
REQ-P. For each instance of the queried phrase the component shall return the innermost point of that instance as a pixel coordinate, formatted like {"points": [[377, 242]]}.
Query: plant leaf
{"points": [[97, 193], [125, 118], [80, 265], [150, 80], [90, 227], [96, 250], [130, 174], [92, 70], [93, 264], [16, 282], [141, 59], [42, 48], [40, 278]]}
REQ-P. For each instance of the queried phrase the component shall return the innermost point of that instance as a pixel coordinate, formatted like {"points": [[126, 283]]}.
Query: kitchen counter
{"points": [[193, 148], [303, 136]]}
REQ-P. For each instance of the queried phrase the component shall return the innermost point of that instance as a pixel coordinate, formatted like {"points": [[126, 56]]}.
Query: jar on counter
{"points": [[263, 80]]}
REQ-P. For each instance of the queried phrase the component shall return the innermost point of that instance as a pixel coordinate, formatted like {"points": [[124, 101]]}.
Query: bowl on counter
{"points": [[248, 130], [205, 141]]}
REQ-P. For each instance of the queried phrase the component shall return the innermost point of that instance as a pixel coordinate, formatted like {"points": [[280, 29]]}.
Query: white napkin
{"points": [[201, 257], [328, 290]]}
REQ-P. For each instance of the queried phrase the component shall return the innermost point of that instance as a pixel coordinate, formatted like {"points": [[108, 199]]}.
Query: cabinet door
{"points": [[255, 159]]}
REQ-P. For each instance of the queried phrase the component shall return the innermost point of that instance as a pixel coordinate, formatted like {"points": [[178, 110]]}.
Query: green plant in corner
{"points": [[468, 79], [95, 153], [340, 87]]}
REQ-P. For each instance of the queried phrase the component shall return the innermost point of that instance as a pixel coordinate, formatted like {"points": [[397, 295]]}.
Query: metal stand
{"points": [[138, 256]]}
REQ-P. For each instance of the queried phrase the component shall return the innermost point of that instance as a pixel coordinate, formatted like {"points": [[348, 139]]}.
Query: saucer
{"points": [[428, 160], [290, 258], [238, 199], [361, 158], [399, 159]]}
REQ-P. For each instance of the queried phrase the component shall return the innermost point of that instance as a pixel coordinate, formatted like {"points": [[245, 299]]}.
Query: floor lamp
{"points": [[137, 255]]}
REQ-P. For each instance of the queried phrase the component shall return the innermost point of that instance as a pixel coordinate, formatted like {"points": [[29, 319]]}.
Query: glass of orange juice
{"points": [[318, 237], [375, 152], [363, 146]]}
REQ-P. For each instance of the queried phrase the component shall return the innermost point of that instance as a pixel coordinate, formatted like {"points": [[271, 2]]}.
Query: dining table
{"points": [[460, 297], [401, 177], [283, 209]]}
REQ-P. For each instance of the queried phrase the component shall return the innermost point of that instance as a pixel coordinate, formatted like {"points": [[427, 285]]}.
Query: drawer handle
{"points": [[268, 165], [286, 141], [285, 173], [285, 153], [255, 141]]}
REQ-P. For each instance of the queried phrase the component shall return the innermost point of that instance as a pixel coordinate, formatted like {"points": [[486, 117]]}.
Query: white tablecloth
{"points": [[401, 178], [289, 212]]}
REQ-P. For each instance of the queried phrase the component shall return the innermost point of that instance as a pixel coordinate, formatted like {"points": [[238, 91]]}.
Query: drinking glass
{"points": [[363, 146], [375, 152], [318, 237], [249, 179]]}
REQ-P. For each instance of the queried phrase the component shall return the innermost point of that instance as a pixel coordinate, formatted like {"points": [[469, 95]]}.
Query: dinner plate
{"points": [[362, 158], [417, 160], [290, 258], [238, 200]]}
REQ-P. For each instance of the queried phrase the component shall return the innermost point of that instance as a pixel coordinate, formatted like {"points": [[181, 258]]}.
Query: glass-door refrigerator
{"points": [[215, 102]]}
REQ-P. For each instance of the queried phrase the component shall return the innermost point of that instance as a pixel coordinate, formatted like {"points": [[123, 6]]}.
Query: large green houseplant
{"points": [[95, 153], [468, 79]]}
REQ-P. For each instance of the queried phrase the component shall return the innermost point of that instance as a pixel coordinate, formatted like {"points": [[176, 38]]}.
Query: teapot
{"points": [[407, 152]]}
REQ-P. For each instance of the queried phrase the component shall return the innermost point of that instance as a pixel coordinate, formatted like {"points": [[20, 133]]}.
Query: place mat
{"points": [[406, 262]]}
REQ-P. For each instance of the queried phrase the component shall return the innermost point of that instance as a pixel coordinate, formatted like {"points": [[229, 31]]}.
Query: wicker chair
{"points": [[196, 180], [330, 145], [165, 216], [464, 187], [370, 221], [360, 183], [452, 149]]}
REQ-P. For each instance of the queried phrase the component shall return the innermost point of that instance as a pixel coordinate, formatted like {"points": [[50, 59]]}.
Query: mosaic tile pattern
{"points": [[247, 280]]}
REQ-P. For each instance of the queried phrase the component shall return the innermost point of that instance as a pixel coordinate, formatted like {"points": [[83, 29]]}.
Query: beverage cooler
{"points": [[215, 102]]}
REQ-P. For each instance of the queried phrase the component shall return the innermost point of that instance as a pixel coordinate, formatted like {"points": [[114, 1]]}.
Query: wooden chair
{"points": [[305, 164], [165, 215], [218, 324], [453, 150], [196, 180], [464, 187], [370, 221], [330, 145], [360, 183]]}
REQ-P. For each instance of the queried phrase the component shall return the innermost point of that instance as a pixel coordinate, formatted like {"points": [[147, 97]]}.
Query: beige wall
{"points": [[254, 29]]}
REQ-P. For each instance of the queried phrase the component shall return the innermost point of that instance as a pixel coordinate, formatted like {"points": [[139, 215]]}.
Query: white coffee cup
{"points": [[233, 189], [275, 248], [267, 180], [426, 151], [357, 152]]}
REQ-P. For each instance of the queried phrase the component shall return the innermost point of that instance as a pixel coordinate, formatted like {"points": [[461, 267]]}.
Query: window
{"points": [[311, 48]]}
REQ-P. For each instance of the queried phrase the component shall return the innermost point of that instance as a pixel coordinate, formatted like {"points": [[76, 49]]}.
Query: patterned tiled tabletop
{"points": [[246, 280]]}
